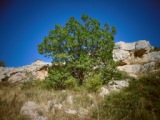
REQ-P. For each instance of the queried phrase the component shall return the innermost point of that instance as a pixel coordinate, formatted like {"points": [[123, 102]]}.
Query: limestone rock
{"points": [[142, 44], [117, 85], [30, 109], [125, 46], [18, 77], [104, 91], [38, 69], [148, 66], [153, 56], [120, 55], [130, 68]]}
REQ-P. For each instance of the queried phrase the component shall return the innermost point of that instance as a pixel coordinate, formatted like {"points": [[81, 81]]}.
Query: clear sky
{"points": [[24, 23]]}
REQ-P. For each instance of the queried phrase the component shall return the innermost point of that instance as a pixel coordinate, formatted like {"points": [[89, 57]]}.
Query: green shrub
{"points": [[119, 75], [155, 49], [93, 83], [57, 76], [71, 83], [140, 101], [2, 64]]}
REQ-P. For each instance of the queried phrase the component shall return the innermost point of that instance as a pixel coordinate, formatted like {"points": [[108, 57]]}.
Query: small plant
{"points": [[155, 49], [93, 83]]}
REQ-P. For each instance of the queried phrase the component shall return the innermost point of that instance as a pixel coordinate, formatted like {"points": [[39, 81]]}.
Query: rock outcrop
{"points": [[37, 70], [135, 57]]}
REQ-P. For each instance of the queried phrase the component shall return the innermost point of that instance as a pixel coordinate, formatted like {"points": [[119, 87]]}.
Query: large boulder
{"points": [[104, 91]]}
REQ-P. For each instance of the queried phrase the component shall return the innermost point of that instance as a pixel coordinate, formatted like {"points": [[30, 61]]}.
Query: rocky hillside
{"points": [[30, 101], [134, 58]]}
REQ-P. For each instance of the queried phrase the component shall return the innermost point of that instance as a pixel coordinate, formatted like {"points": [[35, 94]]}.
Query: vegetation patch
{"points": [[140, 101]]}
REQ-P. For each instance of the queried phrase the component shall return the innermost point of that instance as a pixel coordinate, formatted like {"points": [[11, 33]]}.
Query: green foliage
{"points": [[71, 83], [2, 64], [80, 46], [57, 76], [93, 83], [155, 49], [140, 101]]}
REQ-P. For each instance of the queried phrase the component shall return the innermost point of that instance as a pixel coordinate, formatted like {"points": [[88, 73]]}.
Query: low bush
{"points": [[93, 83], [140, 101], [71, 83], [57, 76], [2, 64]]}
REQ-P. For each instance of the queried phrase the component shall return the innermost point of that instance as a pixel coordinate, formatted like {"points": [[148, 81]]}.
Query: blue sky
{"points": [[24, 23]]}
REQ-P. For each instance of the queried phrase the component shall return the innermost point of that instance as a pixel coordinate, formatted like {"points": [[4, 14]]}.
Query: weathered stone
{"points": [[143, 44], [120, 55], [30, 109], [17, 77], [38, 69], [130, 68], [148, 66], [125, 46], [153, 56], [104, 91], [117, 85]]}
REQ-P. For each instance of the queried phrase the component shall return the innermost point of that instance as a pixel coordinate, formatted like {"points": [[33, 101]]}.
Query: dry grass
{"points": [[12, 97]]}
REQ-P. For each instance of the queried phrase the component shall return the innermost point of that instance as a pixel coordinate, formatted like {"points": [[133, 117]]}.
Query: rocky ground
{"points": [[32, 102]]}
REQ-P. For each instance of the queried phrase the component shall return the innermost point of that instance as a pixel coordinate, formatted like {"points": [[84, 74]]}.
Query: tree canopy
{"points": [[80, 45]]}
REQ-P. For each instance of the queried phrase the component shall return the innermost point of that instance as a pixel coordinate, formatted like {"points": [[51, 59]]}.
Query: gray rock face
{"points": [[153, 56], [37, 70], [120, 54], [130, 68], [30, 109], [135, 57], [125, 46], [142, 44]]}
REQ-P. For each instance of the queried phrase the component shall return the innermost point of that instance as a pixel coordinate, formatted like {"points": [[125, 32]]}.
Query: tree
{"points": [[2, 64], [81, 46]]}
